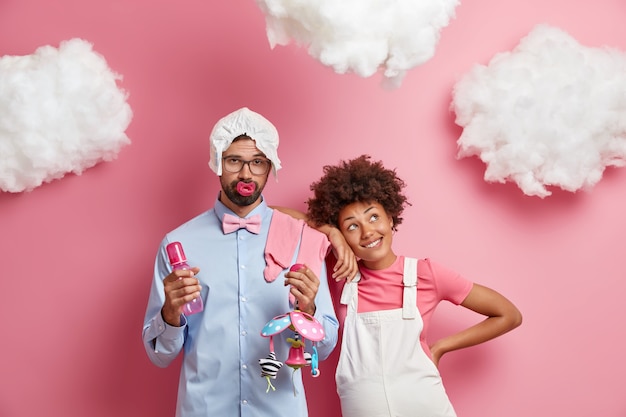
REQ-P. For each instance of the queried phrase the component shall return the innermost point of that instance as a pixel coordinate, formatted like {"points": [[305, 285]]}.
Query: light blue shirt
{"points": [[220, 375]]}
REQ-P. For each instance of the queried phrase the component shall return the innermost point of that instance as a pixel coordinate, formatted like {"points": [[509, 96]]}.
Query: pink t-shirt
{"points": [[382, 289]]}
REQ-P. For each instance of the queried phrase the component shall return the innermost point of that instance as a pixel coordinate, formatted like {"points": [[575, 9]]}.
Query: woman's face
{"points": [[368, 230]]}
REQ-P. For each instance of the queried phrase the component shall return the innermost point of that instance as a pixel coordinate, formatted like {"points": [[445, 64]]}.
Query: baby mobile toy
{"points": [[304, 327]]}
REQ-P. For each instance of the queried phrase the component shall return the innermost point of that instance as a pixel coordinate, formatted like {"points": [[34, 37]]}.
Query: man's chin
{"points": [[244, 201]]}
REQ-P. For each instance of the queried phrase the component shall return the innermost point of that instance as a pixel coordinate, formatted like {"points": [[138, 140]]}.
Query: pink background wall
{"points": [[77, 253]]}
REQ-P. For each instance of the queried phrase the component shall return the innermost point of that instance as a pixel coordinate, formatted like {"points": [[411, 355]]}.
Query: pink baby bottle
{"points": [[178, 260]]}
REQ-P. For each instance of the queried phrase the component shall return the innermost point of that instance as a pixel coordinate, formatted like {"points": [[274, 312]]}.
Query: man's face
{"points": [[243, 188]]}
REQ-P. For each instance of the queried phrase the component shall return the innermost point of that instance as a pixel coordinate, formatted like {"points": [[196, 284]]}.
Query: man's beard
{"points": [[240, 200]]}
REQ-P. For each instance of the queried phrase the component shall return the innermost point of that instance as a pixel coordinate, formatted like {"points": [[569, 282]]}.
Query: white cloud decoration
{"points": [[61, 111], [549, 113], [361, 36]]}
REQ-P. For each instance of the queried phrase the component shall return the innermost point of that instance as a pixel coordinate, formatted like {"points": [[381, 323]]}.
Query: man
{"points": [[243, 279]]}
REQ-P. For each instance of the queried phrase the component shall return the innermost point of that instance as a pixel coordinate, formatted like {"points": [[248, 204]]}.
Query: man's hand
{"points": [[304, 285], [181, 287]]}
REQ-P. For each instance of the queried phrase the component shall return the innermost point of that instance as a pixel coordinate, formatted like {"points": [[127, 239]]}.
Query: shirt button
{"points": [[244, 402], [244, 299], [243, 332], [244, 366], [243, 267]]}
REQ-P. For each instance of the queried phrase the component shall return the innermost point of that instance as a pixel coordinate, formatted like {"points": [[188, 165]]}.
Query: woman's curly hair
{"points": [[356, 180]]}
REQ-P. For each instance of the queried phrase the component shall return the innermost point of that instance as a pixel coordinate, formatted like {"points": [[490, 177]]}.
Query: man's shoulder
{"points": [[314, 233], [281, 219], [203, 219]]}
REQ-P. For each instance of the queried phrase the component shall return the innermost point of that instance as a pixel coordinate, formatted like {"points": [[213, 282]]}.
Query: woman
{"points": [[386, 367]]}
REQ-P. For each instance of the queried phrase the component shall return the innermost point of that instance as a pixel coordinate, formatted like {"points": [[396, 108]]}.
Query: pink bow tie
{"points": [[232, 223]]}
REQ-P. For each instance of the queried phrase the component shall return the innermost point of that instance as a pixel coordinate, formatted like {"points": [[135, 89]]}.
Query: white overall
{"points": [[383, 370]]}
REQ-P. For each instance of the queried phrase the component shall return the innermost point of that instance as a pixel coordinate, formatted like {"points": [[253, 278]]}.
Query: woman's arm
{"points": [[502, 316], [346, 266]]}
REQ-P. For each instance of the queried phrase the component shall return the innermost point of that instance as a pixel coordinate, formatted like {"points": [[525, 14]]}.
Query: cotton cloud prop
{"points": [[549, 113], [61, 111], [361, 36]]}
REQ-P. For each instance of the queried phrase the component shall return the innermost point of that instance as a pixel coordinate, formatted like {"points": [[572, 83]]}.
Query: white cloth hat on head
{"points": [[243, 122]]}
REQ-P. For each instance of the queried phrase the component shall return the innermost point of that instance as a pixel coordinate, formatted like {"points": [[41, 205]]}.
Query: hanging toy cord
{"points": [[295, 391], [315, 371]]}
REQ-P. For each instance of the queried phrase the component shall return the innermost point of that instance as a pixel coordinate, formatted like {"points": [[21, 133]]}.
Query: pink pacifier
{"points": [[246, 189]]}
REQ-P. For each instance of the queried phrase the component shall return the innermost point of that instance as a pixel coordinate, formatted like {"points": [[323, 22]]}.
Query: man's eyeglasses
{"points": [[257, 166]]}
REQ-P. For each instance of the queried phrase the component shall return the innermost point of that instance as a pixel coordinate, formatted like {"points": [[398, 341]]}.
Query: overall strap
{"points": [[349, 295], [409, 298]]}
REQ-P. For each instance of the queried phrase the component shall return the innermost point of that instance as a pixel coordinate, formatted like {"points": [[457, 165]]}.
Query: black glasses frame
{"points": [[254, 169]]}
